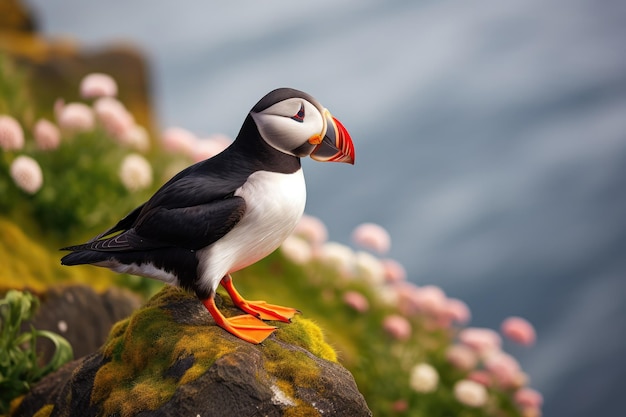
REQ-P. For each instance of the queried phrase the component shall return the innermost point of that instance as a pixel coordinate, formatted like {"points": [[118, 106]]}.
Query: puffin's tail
{"points": [[81, 257]]}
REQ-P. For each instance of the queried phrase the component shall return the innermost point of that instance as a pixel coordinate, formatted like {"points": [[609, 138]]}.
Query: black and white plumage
{"points": [[227, 212]]}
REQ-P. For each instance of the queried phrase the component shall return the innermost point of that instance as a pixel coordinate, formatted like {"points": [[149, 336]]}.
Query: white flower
{"points": [[338, 256], [135, 172], [470, 393], [26, 174], [370, 268], [47, 135], [297, 250], [11, 134], [98, 85], [424, 378]]}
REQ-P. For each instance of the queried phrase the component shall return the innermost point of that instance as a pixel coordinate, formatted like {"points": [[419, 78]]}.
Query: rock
{"points": [[170, 359], [81, 315]]}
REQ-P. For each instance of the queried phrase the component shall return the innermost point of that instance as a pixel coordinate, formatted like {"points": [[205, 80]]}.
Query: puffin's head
{"points": [[293, 122]]}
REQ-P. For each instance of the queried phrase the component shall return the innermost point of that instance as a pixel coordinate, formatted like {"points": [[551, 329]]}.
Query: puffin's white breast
{"points": [[274, 205]]}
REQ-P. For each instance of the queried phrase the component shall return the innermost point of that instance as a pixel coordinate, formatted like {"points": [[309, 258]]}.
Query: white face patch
{"points": [[282, 127]]}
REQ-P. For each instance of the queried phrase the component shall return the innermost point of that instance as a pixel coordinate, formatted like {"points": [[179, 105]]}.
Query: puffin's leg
{"points": [[245, 327], [259, 309]]}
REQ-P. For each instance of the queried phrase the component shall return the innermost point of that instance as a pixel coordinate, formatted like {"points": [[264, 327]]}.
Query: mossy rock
{"points": [[169, 358]]}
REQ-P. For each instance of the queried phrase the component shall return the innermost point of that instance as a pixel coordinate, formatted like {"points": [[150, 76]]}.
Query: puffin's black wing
{"points": [[124, 224], [190, 227]]}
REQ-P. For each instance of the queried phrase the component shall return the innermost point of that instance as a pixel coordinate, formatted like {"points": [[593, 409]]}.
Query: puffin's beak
{"points": [[336, 145]]}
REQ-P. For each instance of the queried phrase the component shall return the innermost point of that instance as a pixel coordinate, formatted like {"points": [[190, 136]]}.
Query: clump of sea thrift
{"points": [[27, 174], [47, 135], [519, 330], [11, 134], [424, 378], [88, 137], [75, 117], [373, 237], [483, 370], [470, 393], [184, 142], [135, 172], [98, 85]]}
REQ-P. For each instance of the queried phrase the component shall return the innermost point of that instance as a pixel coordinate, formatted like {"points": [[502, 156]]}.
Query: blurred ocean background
{"points": [[490, 139]]}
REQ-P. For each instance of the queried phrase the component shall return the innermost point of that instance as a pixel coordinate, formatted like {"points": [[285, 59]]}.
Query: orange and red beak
{"points": [[336, 145]]}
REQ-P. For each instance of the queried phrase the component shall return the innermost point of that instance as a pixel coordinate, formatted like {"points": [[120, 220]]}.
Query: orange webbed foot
{"points": [[245, 327], [259, 309]]}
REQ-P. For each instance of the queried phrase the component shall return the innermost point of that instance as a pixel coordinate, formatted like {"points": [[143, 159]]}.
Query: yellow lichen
{"points": [[142, 350], [44, 411], [26, 263]]}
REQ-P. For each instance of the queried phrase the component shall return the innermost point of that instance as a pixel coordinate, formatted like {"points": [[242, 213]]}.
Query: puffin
{"points": [[227, 212]]}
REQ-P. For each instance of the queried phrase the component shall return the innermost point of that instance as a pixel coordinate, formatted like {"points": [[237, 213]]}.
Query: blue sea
{"points": [[490, 139]]}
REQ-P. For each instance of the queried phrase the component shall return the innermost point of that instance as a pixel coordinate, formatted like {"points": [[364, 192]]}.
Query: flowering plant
{"points": [[59, 173]]}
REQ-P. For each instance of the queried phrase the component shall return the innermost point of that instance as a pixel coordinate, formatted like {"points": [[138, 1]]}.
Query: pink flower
{"points": [[394, 271], [397, 327], [470, 393], [356, 301], [75, 117], [461, 357], [528, 398], [457, 310], [98, 85], [312, 230], [114, 117], [406, 294], [373, 237], [179, 140], [135, 172], [481, 376], [504, 369], [47, 135], [519, 330], [11, 134], [26, 174], [429, 300], [399, 406], [209, 147], [296, 249], [482, 340]]}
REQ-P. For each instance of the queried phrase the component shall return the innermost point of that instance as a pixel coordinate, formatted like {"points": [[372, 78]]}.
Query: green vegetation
{"points": [[19, 364]]}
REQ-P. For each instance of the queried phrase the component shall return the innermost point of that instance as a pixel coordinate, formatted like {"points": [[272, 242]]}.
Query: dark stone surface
{"points": [[128, 376], [81, 315]]}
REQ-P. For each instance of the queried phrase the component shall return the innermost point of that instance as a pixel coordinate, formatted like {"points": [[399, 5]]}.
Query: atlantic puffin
{"points": [[227, 212]]}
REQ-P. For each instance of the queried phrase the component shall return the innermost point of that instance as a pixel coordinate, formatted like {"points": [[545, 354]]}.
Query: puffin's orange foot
{"points": [[259, 309], [266, 311], [245, 327]]}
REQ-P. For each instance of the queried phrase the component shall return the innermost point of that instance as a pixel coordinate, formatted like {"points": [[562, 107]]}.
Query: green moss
{"points": [[142, 350], [308, 335]]}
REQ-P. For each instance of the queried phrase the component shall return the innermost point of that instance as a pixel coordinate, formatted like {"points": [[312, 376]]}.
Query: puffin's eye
{"points": [[299, 117]]}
